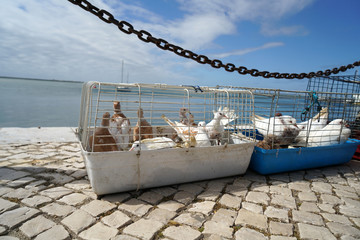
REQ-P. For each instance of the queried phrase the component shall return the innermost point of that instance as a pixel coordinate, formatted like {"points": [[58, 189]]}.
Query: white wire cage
{"points": [[161, 106], [285, 118], [144, 135]]}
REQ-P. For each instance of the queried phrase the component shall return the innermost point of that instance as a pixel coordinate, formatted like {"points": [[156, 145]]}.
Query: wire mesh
{"points": [[160, 122], [350, 86], [288, 119]]}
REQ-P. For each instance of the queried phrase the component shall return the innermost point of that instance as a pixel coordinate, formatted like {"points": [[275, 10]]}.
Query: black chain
{"points": [[215, 63]]}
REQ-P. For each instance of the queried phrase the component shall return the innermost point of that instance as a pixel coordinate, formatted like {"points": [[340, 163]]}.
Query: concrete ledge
{"points": [[35, 135]]}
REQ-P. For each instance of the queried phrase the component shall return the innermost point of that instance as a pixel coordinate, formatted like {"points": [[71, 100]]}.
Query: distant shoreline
{"points": [[38, 79]]}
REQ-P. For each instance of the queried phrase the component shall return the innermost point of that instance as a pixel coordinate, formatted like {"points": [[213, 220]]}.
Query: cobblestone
{"points": [[59, 210], [116, 219], [57, 232], [78, 221], [315, 232], [191, 219], [35, 226], [99, 231], [278, 228], [248, 218], [181, 232], [46, 194], [161, 215], [97, 207], [144, 229], [280, 214]]}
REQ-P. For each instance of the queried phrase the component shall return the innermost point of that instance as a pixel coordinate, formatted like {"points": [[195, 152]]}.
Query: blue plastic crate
{"points": [[293, 159]]}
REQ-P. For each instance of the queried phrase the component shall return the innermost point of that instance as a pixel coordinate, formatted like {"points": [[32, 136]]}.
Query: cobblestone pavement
{"points": [[45, 194]]}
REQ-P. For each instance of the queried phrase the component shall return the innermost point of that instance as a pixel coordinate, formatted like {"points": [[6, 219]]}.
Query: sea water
{"points": [[39, 103]]}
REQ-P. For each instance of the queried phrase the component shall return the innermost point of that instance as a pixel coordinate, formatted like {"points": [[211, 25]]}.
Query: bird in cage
{"points": [[143, 129], [215, 127], [102, 140], [230, 116], [335, 132], [186, 117], [185, 132], [281, 127], [192, 120], [202, 138], [270, 142], [182, 116], [120, 127], [153, 144], [318, 122]]}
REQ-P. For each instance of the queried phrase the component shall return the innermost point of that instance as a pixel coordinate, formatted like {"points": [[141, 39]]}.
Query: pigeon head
{"points": [[202, 124], [140, 113], [183, 110], [290, 122], [219, 115], [117, 106], [105, 119], [136, 146]]}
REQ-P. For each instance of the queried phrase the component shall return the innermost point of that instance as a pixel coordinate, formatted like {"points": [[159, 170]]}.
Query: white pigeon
{"points": [[333, 133], [215, 126], [275, 125], [230, 115], [281, 127], [153, 144], [186, 133], [202, 139], [316, 123]]}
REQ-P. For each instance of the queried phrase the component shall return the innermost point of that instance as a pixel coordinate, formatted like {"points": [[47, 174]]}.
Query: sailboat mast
{"points": [[122, 72]]}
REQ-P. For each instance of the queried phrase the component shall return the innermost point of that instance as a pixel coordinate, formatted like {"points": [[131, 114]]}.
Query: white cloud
{"points": [[249, 50]]}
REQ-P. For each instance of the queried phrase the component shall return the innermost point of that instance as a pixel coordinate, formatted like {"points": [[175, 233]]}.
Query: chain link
{"points": [[145, 36]]}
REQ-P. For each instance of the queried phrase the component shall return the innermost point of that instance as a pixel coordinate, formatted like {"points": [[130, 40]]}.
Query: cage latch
{"points": [[314, 100], [196, 88]]}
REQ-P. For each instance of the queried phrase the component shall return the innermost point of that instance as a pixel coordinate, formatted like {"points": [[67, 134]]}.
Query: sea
{"points": [[53, 103], [39, 103]]}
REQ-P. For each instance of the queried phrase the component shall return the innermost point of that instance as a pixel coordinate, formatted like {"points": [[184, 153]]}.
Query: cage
{"points": [[302, 129], [342, 84], [147, 135], [349, 84]]}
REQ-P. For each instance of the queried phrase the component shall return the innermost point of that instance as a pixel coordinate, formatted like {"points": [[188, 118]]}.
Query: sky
{"points": [[55, 39]]}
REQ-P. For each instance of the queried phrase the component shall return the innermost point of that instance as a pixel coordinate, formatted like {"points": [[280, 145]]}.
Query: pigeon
{"points": [[316, 123], [153, 144], [143, 129], [102, 140], [202, 139], [120, 127], [186, 133], [215, 127], [182, 116], [186, 119], [192, 120], [270, 142], [282, 126], [230, 116], [333, 133]]}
